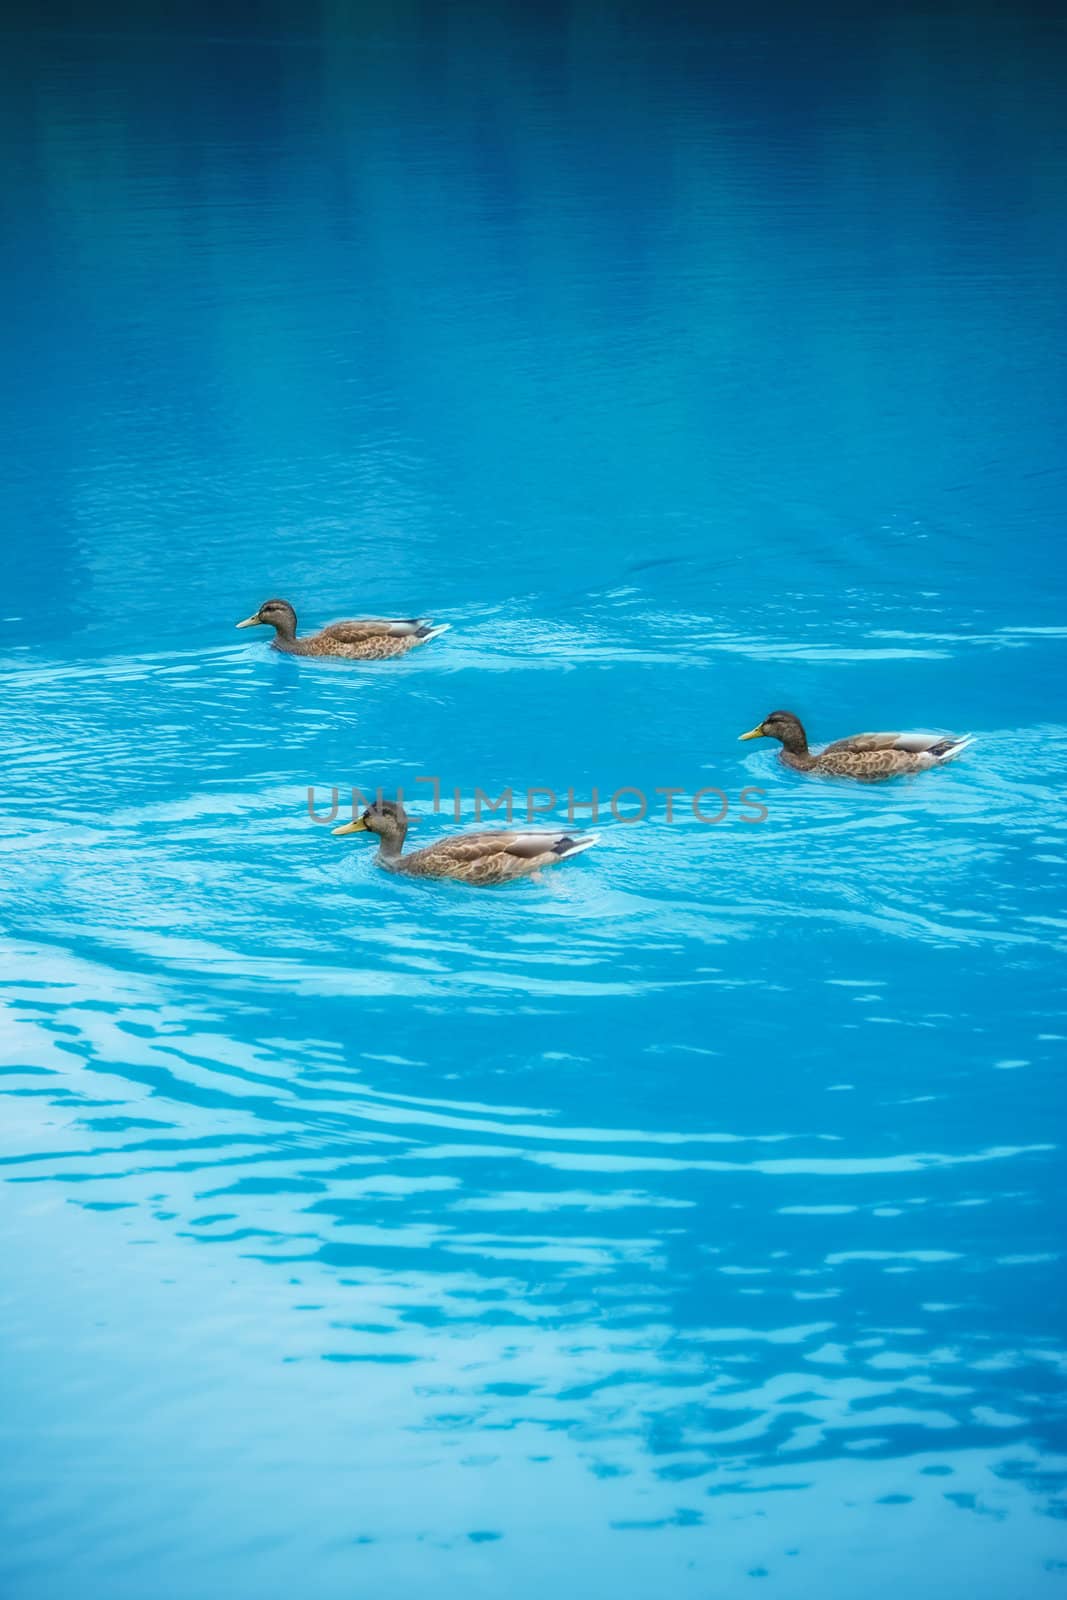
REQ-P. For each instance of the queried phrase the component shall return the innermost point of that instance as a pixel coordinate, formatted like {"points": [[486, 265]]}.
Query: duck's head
{"points": [[386, 818], [277, 614], [783, 726]]}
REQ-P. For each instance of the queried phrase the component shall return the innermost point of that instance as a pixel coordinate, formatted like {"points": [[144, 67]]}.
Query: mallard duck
{"points": [[479, 858], [867, 756], [363, 639]]}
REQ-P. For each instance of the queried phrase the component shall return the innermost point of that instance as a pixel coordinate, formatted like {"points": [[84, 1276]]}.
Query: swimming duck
{"points": [[867, 756], [364, 639], [479, 858]]}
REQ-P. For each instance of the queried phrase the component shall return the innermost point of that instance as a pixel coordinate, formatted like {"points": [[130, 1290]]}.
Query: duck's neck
{"points": [[801, 759], [795, 741], [285, 630], [391, 849], [795, 752]]}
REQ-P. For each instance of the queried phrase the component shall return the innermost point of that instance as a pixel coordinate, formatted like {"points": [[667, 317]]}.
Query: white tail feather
{"points": [[956, 749], [585, 841]]}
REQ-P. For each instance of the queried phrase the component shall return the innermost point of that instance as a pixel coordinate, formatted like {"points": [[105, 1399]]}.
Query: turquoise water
{"points": [[690, 1222]]}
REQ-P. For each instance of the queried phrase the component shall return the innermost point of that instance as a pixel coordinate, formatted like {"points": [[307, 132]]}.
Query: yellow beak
{"points": [[756, 733], [249, 622], [359, 826]]}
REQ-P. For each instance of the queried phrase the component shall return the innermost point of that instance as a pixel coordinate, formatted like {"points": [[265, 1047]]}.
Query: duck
{"points": [[361, 639], [869, 757], [482, 859]]}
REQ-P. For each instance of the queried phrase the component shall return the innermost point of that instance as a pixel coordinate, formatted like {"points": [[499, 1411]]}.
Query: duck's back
{"points": [[365, 639], [492, 857]]}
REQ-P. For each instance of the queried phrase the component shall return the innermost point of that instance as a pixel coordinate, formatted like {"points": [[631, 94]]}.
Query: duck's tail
{"points": [[571, 845], [949, 749], [430, 630]]}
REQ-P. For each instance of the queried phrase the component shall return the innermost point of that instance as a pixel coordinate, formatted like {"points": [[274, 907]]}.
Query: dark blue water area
{"points": [[689, 1221]]}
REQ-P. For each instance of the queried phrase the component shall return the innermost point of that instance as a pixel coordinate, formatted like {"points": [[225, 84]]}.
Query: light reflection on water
{"points": [[693, 1216]]}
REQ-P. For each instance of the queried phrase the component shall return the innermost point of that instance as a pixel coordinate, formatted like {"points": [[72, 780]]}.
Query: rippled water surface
{"points": [[689, 1222]]}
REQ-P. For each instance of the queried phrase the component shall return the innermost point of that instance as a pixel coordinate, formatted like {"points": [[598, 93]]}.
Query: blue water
{"points": [[689, 1222]]}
